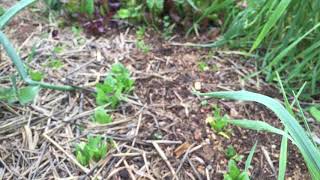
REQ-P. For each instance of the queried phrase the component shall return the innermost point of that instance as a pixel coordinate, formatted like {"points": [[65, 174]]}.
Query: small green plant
{"points": [[117, 83], [101, 116], [231, 153], [140, 44], [55, 63], [234, 173], [203, 66], [95, 149], [217, 122], [22, 95], [36, 75], [167, 28]]}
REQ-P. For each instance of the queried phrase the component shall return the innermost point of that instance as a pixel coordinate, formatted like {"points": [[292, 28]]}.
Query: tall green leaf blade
{"points": [[283, 158], [6, 17], [250, 156], [278, 12], [257, 125], [309, 151]]}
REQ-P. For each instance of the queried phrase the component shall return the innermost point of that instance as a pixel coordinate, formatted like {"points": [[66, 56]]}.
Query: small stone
{"points": [[197, 85]]}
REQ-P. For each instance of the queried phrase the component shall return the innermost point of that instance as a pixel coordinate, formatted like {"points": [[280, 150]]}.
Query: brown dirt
{"points": [[37, 141]]}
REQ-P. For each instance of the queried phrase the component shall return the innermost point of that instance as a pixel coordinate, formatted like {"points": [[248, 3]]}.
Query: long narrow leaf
{"points": [[250, 156], [7, 16], [271, 22], [257, 125], [283, 158], [309, 151]]}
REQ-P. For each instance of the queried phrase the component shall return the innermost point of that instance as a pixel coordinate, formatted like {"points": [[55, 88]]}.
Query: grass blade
{"points": [[283, 157], [7, 16], [250, 156], [257, 125], [271, 22], [310, 152]]}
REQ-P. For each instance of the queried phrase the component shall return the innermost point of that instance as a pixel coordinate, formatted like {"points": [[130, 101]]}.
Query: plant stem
{"points": [[15, 58]]}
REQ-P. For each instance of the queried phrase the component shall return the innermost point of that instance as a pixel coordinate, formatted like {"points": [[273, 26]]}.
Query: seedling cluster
{"points": [[117, 84], [95, 149], [217, 122]]}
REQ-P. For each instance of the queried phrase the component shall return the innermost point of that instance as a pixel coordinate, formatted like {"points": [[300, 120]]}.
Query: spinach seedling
{"points": [[101, 116], [218, 123], [231, 153], [36, 75], [140, 44], [95, 149], [234, 172], [117, 83]]}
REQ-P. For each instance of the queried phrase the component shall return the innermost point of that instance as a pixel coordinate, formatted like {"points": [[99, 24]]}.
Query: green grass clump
{"points": [[285, 33]]}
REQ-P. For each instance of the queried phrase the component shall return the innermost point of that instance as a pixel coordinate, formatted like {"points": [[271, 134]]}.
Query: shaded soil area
{"points": [[160, 131]]}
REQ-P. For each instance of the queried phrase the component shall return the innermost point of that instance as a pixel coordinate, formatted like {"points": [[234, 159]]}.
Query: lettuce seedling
{"points": [[117, 83], [217, 122], [95, 149], [231, 153], [234, 172], [101, 116]]}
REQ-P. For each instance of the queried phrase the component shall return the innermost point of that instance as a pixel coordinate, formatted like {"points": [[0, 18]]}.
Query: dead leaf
{"points": [[181, 149]]}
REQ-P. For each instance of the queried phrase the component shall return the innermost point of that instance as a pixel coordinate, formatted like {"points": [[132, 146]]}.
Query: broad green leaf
{"points": [[230, 152], [8, 95], [309, 151], [123, 13], [101, 116], [36, 75], [233, 169], [315, 113], [101, 97], [27, 94]]}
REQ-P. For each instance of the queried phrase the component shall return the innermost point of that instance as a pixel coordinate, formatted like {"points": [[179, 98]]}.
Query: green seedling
{"points": [[101, 116], [167, 27], [231, 153], [36, 75], [145, 48], [217, 122], [203, 66], [23, 95], [140, 44], [117, 83], [55, 63], [95, 149], [234, 173]]}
